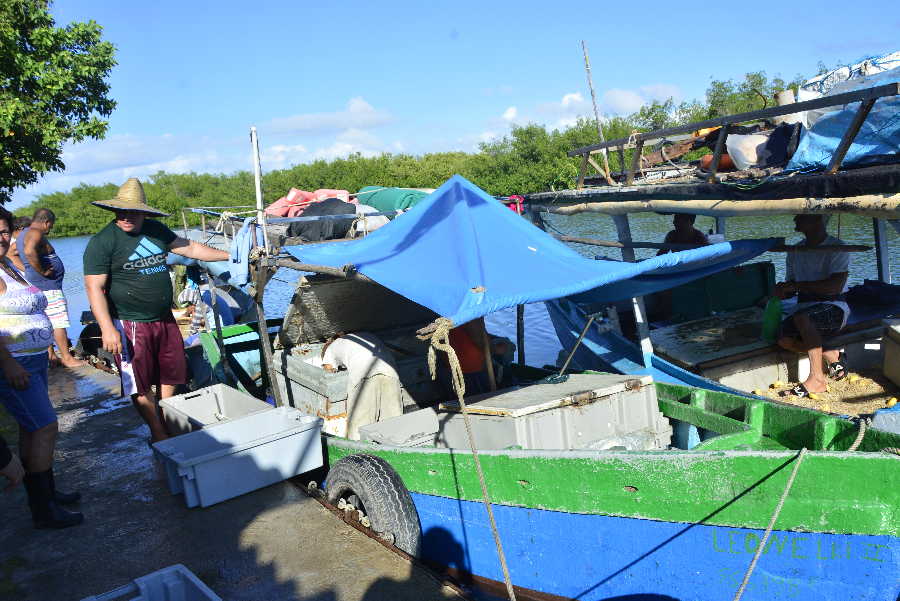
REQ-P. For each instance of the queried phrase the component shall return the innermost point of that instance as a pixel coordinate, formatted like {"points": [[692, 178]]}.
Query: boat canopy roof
{"points": [[463, 255]]}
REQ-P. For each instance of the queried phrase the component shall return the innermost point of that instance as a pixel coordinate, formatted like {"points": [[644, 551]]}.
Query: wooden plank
{"points": [[891, 89], [850, 135], [635, 162], [582, 171], [621, 153], [596, 166]]}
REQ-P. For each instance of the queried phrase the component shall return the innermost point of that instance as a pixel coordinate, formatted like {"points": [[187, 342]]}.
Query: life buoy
{"points": [[373, 486]]}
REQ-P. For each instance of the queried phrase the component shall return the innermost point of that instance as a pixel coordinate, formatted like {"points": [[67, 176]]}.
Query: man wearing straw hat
{"points": [[130, 292]]}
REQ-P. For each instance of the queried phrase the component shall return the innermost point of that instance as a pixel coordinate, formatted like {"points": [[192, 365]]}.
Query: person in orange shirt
{"points": [[467, 341]]}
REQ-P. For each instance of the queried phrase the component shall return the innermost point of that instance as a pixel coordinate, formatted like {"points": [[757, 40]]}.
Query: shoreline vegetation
{"points": [[531, 158]]}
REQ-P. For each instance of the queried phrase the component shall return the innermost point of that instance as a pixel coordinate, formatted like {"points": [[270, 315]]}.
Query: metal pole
{"points": [[584, 331], [520, 333], [257, 175], [637, 303], [587, 67], [882, 256]]}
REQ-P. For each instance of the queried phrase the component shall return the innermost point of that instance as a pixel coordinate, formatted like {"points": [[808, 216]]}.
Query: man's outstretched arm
{"points": [[195, 250]]}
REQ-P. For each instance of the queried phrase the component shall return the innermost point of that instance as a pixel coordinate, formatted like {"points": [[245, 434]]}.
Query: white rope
{"points": [[439, 334], [771, 526]]}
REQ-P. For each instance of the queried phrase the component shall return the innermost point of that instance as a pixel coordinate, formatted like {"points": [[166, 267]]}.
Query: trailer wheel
{"points": [[372, 485]]}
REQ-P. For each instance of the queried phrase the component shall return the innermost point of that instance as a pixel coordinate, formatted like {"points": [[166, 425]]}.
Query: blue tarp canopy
{"points": [[463, 255]]}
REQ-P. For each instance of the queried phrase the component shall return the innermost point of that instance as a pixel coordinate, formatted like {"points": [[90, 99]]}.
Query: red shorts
{"points": [[152, 354]]}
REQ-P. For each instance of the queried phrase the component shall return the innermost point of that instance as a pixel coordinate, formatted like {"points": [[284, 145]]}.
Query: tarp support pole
{"points": [[640, 312], [720, 225], [520, 333], [882, 254]]}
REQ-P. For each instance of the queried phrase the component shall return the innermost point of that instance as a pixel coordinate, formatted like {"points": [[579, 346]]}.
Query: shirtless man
{"points": [[44, 269]]}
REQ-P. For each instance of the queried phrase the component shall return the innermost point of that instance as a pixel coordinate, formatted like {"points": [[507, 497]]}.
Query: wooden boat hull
{"points": [[678, 525]]}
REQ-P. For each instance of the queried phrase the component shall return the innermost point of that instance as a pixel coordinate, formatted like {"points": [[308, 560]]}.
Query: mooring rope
{"points": [[439, 335], [771, 526], [863, 424]]}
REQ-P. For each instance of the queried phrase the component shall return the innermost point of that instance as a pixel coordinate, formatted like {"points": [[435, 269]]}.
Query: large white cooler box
{"points": [[242, 455], [588, 411], [208, 406]]}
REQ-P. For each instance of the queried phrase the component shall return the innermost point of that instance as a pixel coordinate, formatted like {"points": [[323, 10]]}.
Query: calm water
{"points": [[541, 345]]}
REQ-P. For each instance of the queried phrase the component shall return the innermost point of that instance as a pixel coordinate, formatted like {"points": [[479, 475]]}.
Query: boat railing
{"points": [[867, 97]]}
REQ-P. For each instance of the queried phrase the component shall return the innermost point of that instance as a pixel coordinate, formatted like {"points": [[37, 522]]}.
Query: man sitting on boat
{"points": [[467, 341], [373, 385], [684, 232], [819, 279]]}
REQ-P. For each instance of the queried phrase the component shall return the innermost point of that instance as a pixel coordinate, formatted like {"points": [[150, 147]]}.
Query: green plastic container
{"points": [[771, 319]]}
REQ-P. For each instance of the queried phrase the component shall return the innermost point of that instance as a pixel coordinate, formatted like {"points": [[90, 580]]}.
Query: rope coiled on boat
{"points": [[438, 334], [863, 425], [771, 526]]}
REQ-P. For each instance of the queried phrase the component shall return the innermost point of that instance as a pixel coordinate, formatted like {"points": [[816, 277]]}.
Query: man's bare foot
{"points": [[815, 386], [72, 362]]}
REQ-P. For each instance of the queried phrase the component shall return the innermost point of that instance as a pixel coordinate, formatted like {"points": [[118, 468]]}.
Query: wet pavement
{"points": [[275, 544]]}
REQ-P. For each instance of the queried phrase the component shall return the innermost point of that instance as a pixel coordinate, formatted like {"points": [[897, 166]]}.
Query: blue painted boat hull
{"points": [[596, 557]]}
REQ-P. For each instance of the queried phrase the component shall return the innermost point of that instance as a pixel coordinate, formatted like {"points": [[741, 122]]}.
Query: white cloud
{"points": [[621, 101], [358, 114], [661, 91], [572, 99], [349, 142], [510, 113], [280, 156]]}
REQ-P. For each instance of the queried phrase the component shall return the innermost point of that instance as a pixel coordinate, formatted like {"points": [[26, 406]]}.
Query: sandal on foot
{"points": [[798, 391], [838, 369]]}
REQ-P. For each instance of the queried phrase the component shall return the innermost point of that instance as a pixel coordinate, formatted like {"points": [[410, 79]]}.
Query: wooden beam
{"points": [[676, 247], [885, 206], [635, 162], [841, 151], [891, 89], [582, 171]]}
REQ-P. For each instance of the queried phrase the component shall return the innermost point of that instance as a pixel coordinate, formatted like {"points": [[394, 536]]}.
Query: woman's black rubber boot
{"points": [[45, 511], [63, 498]]}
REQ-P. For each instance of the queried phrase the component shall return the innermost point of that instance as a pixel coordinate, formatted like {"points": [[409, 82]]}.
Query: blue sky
{"points": [[321, 80]]}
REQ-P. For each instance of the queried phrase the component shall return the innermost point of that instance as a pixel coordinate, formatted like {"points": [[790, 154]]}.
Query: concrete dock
{"points": [[275, 544]]}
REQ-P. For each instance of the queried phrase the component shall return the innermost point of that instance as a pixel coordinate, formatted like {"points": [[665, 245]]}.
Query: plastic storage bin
{"points": [[588, 411], [175, 583], [242, 455], [208, 406]]}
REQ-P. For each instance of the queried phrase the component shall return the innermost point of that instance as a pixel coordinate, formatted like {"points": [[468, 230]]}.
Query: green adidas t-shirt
{"points": [[139, 288]]}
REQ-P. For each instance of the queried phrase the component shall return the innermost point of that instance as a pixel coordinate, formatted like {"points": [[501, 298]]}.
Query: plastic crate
{"points": [[242, 455], [208, 406], [587, 411], [175, 583]]}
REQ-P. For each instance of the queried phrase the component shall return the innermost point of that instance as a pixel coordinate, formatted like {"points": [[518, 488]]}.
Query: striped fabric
{"points": [[57, 310]]}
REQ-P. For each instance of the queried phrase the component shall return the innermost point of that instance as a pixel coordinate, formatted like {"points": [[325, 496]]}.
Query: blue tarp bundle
{"points": [[463, 255], [876, 143]]}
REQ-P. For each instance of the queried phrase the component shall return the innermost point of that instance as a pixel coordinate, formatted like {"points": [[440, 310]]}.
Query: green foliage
{"points": [[530, 158], [53, 89]]}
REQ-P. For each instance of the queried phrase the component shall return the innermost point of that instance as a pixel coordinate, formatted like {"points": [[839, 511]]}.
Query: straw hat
{"points": [[130, 197]]}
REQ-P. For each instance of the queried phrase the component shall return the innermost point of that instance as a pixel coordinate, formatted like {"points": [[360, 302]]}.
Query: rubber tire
{"points": [[387, 503]]}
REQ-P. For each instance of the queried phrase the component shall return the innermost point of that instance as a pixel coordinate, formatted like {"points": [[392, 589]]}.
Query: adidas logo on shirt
{"points": [[147, 257]]}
